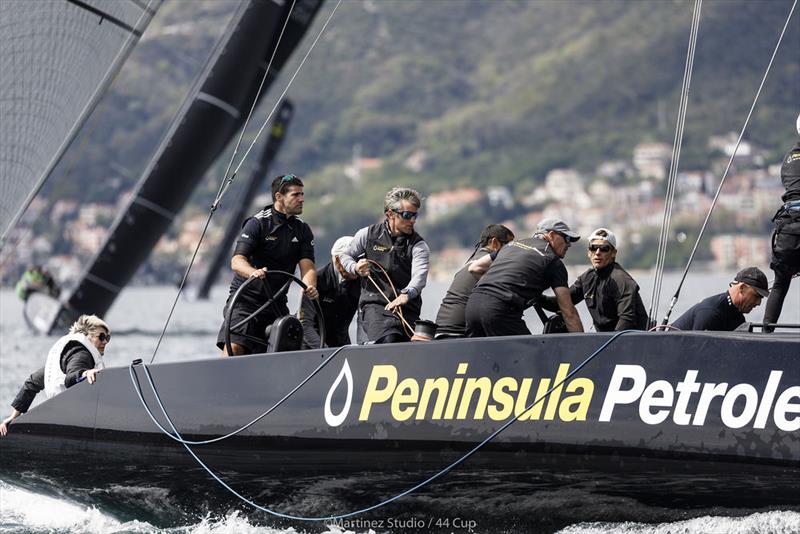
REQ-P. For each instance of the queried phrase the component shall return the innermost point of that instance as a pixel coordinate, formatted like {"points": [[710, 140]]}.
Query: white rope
{"points": [[673, 169], [728, 166]]}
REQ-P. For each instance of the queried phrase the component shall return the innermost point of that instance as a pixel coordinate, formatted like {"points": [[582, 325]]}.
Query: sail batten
{"points": [[213, 111]]}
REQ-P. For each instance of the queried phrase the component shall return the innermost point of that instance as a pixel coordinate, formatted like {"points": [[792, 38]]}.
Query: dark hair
{"points": [[283, 182], [503, 234]]}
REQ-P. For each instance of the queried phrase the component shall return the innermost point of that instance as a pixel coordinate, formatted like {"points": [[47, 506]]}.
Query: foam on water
{"points": [[29, 512], [758, 523]]}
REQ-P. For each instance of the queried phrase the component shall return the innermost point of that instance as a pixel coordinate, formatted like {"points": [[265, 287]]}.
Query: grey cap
{"points": [[557, 225], [753, 277]]}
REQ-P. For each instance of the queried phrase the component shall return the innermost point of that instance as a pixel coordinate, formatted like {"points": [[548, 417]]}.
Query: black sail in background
{"points": [[212, 113], [244, 200]]}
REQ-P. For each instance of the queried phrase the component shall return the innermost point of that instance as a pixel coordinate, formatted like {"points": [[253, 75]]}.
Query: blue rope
{"points": [[177, 436], [399, 495]]}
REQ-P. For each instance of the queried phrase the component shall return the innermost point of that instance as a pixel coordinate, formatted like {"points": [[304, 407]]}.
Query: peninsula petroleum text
{"points": [[687, 402]]}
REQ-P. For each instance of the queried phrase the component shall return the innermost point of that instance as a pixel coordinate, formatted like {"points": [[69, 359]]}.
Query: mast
{"points": [[214, 111], [244, 199]]}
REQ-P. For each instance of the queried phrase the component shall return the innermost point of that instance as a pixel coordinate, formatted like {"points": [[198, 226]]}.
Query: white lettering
{"points": [[784, 407], [658, 394], [618, 396], [750, 405]]}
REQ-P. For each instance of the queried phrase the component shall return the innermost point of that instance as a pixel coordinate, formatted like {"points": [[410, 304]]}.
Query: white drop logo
{"points": [[347, 375]]}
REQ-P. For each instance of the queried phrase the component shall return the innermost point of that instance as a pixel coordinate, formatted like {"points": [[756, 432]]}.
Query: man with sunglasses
{"points": [[404, 255], [274, 239], [73, 358], [611, 294], [450, 321], [512, 278]]}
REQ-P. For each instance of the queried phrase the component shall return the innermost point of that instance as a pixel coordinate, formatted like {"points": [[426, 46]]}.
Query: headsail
{"points": [[212, 113], [57, 58]]}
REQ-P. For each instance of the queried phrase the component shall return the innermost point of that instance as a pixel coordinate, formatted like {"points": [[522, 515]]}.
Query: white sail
{"points": [[57, 57]]}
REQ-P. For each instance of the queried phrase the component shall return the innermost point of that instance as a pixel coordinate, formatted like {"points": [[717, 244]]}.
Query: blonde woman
{"points": [[73, 358]]}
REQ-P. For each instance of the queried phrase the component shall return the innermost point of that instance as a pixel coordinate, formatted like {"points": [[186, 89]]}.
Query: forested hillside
{"points": [[485, 92]]}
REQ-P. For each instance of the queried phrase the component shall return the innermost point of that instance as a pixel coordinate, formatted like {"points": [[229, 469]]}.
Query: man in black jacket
{"points": [[786, 238], [450, 320], [516, 277], [611, 294], [338, 297], [725, 312]]}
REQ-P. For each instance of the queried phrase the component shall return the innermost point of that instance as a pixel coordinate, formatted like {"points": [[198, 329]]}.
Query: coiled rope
{"points": [[177, 437]]}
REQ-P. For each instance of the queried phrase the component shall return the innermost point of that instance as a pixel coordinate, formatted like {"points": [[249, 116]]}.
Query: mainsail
{"points": [[244, 199], [214, 111], [57, 57]]}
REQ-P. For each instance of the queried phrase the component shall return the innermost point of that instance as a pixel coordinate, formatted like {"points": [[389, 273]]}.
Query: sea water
{"points": [[137, 320]]}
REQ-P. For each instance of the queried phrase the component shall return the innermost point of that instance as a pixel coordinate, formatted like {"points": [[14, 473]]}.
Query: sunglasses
{"points": [[288, 178], [601, 248], [407, 215], [103, 337]]}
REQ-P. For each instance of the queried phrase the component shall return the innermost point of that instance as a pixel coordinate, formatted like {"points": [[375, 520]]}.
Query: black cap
{"points": [[753, 277]]}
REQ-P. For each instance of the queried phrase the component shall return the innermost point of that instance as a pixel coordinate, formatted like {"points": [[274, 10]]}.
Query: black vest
{"points": [[450, 318], [394, 254]]}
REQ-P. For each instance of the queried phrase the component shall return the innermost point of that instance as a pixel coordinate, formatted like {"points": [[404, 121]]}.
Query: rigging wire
{"points": [[227, 181], [435, 476], [727, 167], [241, 429], [673, 169]]}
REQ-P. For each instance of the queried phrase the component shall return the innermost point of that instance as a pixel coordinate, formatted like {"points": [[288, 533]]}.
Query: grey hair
{"points": [[87, 325], [394, 198]]}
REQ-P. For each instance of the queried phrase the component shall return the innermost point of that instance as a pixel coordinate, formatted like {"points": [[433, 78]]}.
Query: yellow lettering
{"points": [[504, 402], [581, 401], [482, 384], [555, 396], [455, 392], [441, 385], [373, 395], [407, 392]]}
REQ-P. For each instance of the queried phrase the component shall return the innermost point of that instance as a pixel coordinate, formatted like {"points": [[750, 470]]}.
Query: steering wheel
{"points": [[281, 292]]}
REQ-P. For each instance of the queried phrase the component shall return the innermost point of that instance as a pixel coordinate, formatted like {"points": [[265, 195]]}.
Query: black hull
{"points": [[296, 460]]}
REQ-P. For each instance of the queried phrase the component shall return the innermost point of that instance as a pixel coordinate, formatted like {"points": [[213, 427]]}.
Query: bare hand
{"points": [[5, 423], [259, 273], [396, 303], [91, 375], [362, 267], [312, 293]]}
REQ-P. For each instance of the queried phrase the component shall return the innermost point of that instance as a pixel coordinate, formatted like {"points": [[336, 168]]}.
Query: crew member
{"points": [[725, 311], [786, 237], [339, 291], [73, 358], [611, 294], [405, 257], [450, 320], [273, 239], [518, 275]]}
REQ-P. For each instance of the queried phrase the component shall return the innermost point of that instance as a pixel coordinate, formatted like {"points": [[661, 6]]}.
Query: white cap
{"points": [[341, 245], [604, 234]]}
